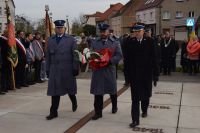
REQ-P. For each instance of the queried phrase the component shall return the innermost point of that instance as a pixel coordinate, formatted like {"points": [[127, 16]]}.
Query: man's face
{"points": [[167, 35], [139, 34], [30, 37], [38, 36], [22, 35], [104, 34], [60, 30], [148, 34]]}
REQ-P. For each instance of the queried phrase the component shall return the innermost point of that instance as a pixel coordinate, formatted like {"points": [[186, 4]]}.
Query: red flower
{"points": [[103, 60]]}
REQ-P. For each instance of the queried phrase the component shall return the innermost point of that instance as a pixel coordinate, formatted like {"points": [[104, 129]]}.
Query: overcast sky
{"points": [[34, 9]]}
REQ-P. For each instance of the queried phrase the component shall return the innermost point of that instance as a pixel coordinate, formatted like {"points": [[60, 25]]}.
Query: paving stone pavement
{"points": [[174, 108]]}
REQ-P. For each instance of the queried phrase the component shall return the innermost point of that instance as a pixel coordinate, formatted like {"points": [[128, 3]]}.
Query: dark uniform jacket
{"points": [[142, 66]]}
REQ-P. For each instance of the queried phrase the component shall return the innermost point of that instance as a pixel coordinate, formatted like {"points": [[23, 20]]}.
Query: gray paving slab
{"points": [[161, 98], [190, 117], [162, 117], [191, 94], [156, 116], [188, 130], [12, 102], [102, 126], [29, 106], [23, 123]]}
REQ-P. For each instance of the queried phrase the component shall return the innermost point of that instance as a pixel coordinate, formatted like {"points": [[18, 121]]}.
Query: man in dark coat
{"points": [[104, 78], [168, 53], [6, 70], [20, 68], [143, 69], [61, 68]]}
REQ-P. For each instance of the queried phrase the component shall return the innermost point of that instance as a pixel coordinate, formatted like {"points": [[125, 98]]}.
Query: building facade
{"points": [[125, 17], [169, 15], [3, 18]]}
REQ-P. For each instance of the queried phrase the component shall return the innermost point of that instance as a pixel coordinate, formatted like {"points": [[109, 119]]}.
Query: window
{"points": [[166, 15], [191, 14], [149, 1], [144, 16], [1, 13], [179, 14], [138, 17], [151, 15]]}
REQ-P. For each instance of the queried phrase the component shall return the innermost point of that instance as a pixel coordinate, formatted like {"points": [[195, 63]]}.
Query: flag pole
{"points": [[8, 21]]}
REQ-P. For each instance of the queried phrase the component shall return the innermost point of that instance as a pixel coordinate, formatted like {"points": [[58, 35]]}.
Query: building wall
{"points": [[116, 25], [146, 16], [172, 6], [3, 18], [91, 21]]}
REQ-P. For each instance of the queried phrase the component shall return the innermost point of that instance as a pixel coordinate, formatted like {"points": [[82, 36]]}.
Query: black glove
{"points": [[75, 72], [155, 83], [47, 73]]}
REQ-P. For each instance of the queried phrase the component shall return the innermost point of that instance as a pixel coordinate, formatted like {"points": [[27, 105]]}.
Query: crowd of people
{"points": [[30, 68]]}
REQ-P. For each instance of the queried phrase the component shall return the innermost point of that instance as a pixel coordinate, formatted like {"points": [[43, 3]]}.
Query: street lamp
{"points": [[67, 20], [46, 8]]}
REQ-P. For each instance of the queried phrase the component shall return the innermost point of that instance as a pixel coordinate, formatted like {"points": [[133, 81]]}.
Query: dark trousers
{"points": [[6, 78], [135, 110], [193, 66], [98, 103], [55, 100], [20, 74], [167, 66], [37, 65]]}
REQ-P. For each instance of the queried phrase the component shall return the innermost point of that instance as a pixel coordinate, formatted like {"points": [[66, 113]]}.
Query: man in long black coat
{"points": [[168, 53], [143, 69], [6, 72]]}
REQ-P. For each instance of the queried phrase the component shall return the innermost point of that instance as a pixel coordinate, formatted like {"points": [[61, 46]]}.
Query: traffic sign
{"points": [[190, 22]]}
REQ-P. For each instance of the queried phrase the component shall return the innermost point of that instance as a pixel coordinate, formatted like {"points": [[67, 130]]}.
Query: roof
{"points": [[97, 14], [150, 4], [113, 8], [13, 3], [129, 8]]}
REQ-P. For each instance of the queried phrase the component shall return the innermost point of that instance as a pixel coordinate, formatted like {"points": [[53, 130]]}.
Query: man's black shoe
{"points": [[2, 93], [18, 87], [40, 81], [74, 108], [25, 85], [95, 117], [114, 110], [134, 124], [50, 117], [144, 115]]}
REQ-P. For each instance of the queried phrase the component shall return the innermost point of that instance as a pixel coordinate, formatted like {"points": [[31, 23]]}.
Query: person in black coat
{"points": [[6, 72], [143, 69], [20, 68], [168, 53]]}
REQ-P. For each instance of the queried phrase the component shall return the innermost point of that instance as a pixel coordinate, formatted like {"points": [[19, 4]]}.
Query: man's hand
{"points": [[154, 83], [75, 72]]}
